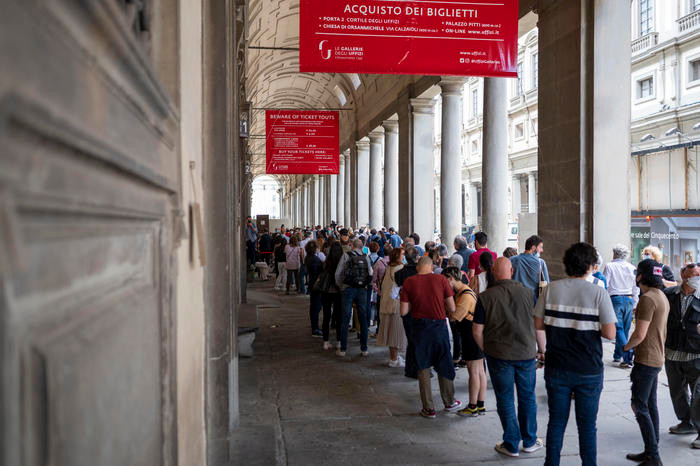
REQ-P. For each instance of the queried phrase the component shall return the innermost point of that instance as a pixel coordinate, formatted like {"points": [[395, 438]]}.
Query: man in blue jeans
{"points": [[353, 276], [574, 314], [622, 287], [504, 329]]}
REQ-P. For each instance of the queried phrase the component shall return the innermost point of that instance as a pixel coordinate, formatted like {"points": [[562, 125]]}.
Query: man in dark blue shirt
{"points": [[461, 248]]}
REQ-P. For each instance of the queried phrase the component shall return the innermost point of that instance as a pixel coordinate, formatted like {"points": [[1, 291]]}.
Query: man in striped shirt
{"points": [[574, 314]]}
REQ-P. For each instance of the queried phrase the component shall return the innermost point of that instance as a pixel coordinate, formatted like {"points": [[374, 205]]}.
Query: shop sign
{"points": [[302, 142], [449, 37]]}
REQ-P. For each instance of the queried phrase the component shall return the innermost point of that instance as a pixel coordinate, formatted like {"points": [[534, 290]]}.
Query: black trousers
{"points": [[684, 387]]}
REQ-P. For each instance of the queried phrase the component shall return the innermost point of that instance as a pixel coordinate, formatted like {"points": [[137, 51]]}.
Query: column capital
{"points": [[363, 144], [452, 85], [376, 135], [342, 159], [423, 106], [315, 177], [390, 126]]}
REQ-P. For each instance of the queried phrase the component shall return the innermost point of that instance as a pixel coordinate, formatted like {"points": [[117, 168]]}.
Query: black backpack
{"points": [[356, 270]]}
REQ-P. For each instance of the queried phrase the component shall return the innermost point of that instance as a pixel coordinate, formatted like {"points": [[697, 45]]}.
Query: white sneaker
{"points": [[500, 448], [339, 353], [397, 363], [365, 353], [539, 443], [326, 346]]}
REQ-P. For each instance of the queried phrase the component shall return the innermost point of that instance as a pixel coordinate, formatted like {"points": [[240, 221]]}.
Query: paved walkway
{"points": [[301, 405]]}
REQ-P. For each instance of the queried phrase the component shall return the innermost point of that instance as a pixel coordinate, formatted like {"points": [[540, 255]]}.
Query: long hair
{"points": [[486, 263], [334, 256]]}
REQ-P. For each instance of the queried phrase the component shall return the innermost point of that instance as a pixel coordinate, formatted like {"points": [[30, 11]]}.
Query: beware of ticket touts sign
{"points": [[302, 142], [449, 37]]}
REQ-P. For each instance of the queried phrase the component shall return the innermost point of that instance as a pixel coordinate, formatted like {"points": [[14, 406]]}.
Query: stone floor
{"points": [[301, 405]]}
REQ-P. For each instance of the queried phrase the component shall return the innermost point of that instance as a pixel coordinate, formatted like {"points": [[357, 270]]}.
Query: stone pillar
{"points": [[474, 203], [316, 202], [307, 203], [365, 166], [340, 192], [333, 198], [422, 169], [348, 190], [583, 156], [375, 179], [516, 195], [450, 159], [532, 192], [391, 174], [494, 171]]}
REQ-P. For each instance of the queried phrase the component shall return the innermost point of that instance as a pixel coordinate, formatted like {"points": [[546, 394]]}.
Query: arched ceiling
{"points": [[273, 77]]}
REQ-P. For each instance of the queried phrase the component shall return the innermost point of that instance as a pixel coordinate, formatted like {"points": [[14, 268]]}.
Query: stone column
{"points": [[348, 190], [375, 179], [516, 195], [494, 172], [340, 193], [307, 203], [583, 152], [532, 192], [316, 204], [422, 168], [450, 159], [333, 198], [365, 161], [391, 174], [474, 203]]}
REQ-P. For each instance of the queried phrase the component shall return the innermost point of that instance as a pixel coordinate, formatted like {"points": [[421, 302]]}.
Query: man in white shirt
{"points": [[622, 287]]}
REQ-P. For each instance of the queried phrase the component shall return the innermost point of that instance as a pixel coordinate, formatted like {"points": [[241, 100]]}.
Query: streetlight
{"points": [[648, 137], [673, 131]]}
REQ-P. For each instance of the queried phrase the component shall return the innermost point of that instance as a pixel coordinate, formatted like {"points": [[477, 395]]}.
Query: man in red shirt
{"points": [[427, 296], [480, 240]]}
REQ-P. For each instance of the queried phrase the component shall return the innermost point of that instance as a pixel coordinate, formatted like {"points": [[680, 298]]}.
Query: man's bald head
{"points": [[425, 265], [502, 269]]}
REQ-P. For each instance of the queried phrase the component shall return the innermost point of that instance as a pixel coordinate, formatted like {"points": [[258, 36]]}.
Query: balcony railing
{"points": [[645, 42], [689, 22]]}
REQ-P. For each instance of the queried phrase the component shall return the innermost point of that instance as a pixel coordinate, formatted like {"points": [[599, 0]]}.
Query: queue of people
{"points": [[477, 310]]}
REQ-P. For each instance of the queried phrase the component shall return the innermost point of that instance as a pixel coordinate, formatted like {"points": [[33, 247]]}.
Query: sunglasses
{"points": [[690, 265]]}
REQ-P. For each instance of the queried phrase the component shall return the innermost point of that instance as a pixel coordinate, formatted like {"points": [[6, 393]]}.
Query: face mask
{"points": [[405, 261], [646, 256], [537, 255], [694, 282]]}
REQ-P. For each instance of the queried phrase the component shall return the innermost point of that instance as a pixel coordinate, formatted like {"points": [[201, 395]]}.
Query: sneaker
{"points": [[364, 353], [428, 413], [456, 404], [339, 353], [683, 428], [326, 346], [317, 334], [616, 360], [500, 448], [536, 446], [625, 365], [468, 412], [638, 457], [481, 411], [696, 443], [397, 363]]}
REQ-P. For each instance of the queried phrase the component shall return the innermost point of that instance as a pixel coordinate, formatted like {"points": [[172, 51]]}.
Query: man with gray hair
{"points": [[461, 248], [456, 260], [622, 287]]}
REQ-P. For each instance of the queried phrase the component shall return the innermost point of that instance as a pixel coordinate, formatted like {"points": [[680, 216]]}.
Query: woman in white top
{"points": [[391, 332], [295, 257]]}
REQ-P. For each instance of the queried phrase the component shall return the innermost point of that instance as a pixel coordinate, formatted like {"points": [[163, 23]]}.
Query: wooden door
{"points": [[88, 189]]}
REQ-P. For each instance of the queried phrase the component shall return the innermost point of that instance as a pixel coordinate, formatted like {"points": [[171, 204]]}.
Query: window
{"points": [[340, 95], [519, 83], [646, 17], [475, 147], [356, 82], [519, 131], [694, 5], [535, 64], [475, 102], [694, 69], [645, 88]]}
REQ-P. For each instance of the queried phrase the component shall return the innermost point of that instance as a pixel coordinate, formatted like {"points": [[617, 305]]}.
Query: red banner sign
{"points": [[449, 37], [302, 142]]}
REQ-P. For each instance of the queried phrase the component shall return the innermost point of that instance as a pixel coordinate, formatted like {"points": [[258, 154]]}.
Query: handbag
{"points": [[324, 282]]}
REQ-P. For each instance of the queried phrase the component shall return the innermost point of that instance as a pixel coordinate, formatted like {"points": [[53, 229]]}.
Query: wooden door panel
{"points": [[89, 174]]}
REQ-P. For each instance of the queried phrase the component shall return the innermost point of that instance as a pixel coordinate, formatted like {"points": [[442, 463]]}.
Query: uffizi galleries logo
{"points": [[325, 51]]}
